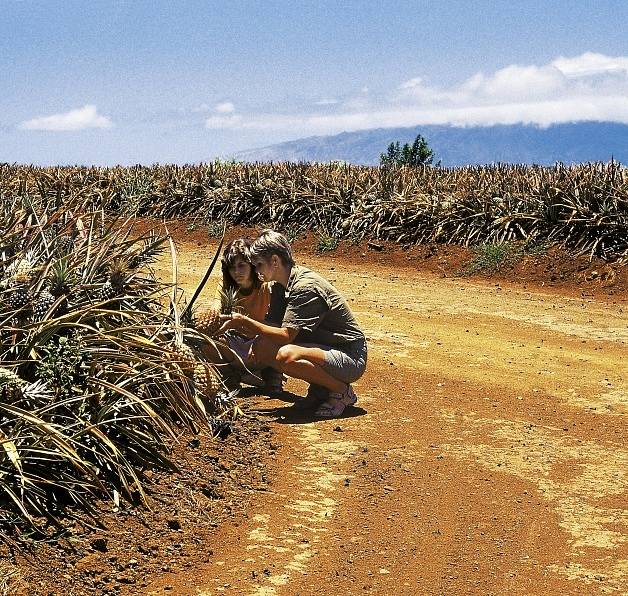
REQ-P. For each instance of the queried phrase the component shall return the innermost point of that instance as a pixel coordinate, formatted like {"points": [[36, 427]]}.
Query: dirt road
{"points": [[488, 454]]}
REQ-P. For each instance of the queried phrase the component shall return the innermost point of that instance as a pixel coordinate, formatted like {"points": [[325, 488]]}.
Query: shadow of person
{"points": [[284, 395], [296, 415]]}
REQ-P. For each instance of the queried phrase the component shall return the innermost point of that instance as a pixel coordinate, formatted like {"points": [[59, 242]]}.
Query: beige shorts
{"points": [[346, 363]]}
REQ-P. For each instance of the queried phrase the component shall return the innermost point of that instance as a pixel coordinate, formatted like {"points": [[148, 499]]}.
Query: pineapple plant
{"points": [[74, 389], [56, 285], [118, 276], [60, 279], [208, 321]]}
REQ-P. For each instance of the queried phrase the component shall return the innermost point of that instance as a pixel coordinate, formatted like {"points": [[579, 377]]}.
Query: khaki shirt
{"points": [[318, 310]]}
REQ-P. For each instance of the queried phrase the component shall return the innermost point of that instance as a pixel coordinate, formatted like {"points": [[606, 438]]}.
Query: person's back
{"points": [[318, 310]]}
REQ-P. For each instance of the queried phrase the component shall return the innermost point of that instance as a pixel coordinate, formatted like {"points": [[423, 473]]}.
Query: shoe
{"points": [[273, 380], [316, 395], [336, 403]]}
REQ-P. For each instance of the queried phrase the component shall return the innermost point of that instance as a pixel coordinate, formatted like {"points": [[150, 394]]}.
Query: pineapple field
{"points": [[487, 451], [97, 369], [581, 207]]}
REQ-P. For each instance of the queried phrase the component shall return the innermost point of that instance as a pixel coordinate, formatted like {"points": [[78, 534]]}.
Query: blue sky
{"points": [[132, 81]]}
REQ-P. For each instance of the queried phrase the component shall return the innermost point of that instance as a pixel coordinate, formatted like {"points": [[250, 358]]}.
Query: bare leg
{"points": [[299, 362], [313, 373]]}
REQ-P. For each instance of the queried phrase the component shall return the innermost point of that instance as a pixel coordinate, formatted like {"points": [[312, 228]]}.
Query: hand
{"points": [[238, 322]]}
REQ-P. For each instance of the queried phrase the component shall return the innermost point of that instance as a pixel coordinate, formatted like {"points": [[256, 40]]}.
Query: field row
{"points": [[582, 207]]}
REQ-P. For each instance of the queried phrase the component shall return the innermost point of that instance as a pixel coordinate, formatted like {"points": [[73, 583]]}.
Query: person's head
{"points": [[237, 269], [270, 251]]}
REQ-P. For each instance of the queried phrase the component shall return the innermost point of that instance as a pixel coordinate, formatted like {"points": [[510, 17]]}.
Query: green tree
{"points": [[417, 154]]}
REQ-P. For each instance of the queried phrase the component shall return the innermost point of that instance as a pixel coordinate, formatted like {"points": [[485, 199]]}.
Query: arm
{"points": [[278, 335], [303, 312]]}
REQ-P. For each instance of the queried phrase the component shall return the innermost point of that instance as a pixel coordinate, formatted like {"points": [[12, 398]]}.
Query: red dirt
{"points": [[487, 454]]}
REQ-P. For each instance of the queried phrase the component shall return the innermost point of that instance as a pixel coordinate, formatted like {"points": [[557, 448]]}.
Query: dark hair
{"points": [[240, 247]]}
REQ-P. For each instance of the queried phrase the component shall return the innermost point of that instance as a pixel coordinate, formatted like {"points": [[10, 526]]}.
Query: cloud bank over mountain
{"points": [[588, 87]]}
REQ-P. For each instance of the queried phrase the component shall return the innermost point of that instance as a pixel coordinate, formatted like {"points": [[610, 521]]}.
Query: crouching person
{"points": [[319, 339], [252, 298]]}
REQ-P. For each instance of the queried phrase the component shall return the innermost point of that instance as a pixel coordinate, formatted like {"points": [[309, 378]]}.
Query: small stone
{"points": [[99, 544], [174, 524]]}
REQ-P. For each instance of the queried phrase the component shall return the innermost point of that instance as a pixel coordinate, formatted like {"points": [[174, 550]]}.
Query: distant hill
{"points": [[454, 146]]}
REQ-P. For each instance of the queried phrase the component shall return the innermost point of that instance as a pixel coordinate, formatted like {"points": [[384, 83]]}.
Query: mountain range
{"points": [[456, 146]]}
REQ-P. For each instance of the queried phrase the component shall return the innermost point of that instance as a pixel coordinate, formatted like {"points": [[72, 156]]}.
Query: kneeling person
{"points": [[319, 339]]}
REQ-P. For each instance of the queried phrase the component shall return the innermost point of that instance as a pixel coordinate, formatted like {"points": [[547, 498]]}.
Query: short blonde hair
{"points": [[270, 243]]}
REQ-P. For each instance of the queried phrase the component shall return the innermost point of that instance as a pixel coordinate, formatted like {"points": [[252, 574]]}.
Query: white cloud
{"points": [[226, 107], [586, 87], [326, 102], [588, 64], [412, 83], [516, 82], [79, 119]]}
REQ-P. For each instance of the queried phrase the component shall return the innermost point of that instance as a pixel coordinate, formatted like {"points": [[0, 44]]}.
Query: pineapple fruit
{"points": [[185, 358], [65, 244], [206, 381], [20, 276], [43, 304], [20, 294], [10, 385], [208, 321], [118, 275]]}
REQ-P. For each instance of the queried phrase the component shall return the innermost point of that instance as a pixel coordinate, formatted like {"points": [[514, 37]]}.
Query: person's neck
{"points": [[283, 275]]}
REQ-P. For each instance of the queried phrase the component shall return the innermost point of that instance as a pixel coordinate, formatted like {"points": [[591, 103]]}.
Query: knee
{"points": [[285, 355]]}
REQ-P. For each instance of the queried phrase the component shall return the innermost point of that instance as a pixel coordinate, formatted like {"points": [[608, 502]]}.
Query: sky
{"points": [[108, 82]]}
